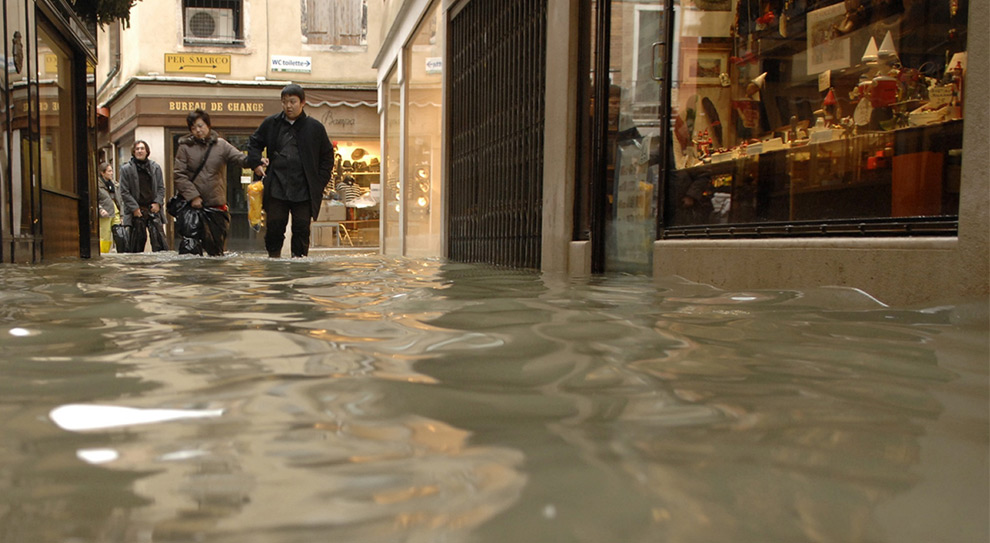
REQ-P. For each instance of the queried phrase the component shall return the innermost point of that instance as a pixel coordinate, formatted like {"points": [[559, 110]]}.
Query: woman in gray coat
{"points": [[108, 206], [201, 179]]}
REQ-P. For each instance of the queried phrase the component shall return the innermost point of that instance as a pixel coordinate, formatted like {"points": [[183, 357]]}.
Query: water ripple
{"points": [[368, 398]]}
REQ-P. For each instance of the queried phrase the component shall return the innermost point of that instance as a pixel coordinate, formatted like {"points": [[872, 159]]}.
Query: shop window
{"points": [[421, 182], [55, 113], [341, 23], [212, 22], [391, 205], [353, 199], [816, 111]]}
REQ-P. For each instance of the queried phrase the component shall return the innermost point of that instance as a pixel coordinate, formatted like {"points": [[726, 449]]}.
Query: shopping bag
{"points": [[121, 237], [188, 224], [156, 233], [175, 204], [202, 229], [255, 192]]}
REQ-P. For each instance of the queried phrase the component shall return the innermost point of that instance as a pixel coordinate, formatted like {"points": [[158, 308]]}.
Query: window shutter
{"points": [[349, 25], [318, 22], [335, 22]]}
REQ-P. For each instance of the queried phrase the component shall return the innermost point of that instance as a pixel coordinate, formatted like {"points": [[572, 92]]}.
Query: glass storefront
{"points": [[632, 170], [412, 193], [730, 118], [47, 184], [815, 111], [391, 240], [423, 145], [356, 191], [57, 156], [20, 195]]}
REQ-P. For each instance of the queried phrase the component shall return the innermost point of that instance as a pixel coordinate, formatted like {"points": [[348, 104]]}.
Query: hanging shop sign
{"points": [[196, 63], [282, 63]]}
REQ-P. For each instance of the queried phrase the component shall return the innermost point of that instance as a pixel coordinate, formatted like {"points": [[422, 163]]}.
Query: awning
{"points": [[342, 97]]}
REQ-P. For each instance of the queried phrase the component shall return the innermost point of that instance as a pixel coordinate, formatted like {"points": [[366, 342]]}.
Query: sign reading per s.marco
{"points": [[192, 63]]}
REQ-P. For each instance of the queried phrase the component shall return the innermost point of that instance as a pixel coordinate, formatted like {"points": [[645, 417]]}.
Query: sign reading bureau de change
{"points": [[186, 63]]}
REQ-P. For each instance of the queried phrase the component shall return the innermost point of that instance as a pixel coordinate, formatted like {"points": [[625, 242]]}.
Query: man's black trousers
{"points": [[277, 217]]}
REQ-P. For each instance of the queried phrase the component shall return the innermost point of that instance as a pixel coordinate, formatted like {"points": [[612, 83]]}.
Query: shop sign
{"points": [[51, 63], [216, 106], [333, 119], [45, 106], [434, 65], [197, 63], [282, 63], [345, 120]]}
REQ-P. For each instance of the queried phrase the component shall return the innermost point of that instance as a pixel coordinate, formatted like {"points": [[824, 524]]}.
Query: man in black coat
{"points": [[299, 165]]}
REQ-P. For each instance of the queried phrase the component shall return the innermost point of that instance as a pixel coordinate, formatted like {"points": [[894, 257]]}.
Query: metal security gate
{"points": [[496, 82]]}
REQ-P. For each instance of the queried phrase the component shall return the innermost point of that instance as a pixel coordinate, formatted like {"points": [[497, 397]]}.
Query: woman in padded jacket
{"points": [[201, 177]]}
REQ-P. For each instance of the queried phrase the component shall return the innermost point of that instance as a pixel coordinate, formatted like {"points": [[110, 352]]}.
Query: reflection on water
{"points": [[171, 399]]}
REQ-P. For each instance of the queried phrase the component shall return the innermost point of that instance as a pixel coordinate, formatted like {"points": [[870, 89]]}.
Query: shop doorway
{"points": [[627, 73]]}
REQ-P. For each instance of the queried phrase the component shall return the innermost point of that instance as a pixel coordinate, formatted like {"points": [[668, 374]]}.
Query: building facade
{"points": [[743, 144], [232, 58], [48, 136]]}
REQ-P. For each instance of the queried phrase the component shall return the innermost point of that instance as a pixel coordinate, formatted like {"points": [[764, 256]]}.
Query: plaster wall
{"points": [[155, 136], [270, 28]]}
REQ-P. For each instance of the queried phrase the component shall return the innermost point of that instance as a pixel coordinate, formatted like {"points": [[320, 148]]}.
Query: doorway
{"points": [[627, 73]]}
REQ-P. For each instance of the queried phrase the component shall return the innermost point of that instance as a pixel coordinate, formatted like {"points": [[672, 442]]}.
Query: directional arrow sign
{"points": [[282, 63], [195, 63]]}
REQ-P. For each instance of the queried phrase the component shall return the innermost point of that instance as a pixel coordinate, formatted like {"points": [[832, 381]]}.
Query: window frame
{"points": [[237, 23]]}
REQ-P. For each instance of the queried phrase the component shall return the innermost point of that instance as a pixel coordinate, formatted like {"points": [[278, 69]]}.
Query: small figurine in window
{"points": [[766, 20], [704, 144]]}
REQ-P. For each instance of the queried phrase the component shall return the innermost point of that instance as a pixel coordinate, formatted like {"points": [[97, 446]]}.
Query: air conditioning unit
{"points": [[210, 24]]}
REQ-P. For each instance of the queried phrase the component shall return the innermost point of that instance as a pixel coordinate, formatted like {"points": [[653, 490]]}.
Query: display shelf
{"points": [[365, 179], [859, 176]]}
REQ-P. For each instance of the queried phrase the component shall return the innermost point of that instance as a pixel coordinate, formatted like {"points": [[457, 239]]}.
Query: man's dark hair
{"points": [[198, 113], [146, 146], [294, 90]]}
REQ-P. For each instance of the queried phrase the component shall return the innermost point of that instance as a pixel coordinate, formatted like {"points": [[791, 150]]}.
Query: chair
{"points": [[338, 230], [347, 235]]}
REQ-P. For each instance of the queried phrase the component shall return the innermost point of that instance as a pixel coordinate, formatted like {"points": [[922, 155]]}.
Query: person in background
{"points": [[201, 177], [107, 194], [299, 165], [142, 196]]}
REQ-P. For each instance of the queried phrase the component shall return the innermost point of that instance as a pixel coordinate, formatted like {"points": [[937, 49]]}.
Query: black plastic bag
{"points": [[156, 232], [175, 205], [121, 237], [203, 229]]}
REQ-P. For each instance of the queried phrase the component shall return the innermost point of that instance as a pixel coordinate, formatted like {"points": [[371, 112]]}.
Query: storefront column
{"points": [[559, 144]]}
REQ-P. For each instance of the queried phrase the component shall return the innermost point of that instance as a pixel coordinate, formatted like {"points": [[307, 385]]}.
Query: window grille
{"points": [[335, 22], [212, 22], [497, 80]]}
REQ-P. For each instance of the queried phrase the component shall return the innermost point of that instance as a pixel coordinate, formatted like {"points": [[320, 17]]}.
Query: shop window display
{"points": [[351, 200], [815, 110]]}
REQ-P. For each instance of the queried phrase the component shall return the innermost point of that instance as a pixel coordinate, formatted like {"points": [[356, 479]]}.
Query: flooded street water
{"points": [[157, 398]]}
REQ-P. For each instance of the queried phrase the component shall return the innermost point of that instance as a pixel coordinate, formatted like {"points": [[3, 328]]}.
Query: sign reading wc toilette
{"points": [[282, 63]]}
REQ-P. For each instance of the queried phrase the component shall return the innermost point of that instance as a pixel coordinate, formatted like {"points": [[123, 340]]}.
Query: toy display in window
{"points": [[884, 90]]}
